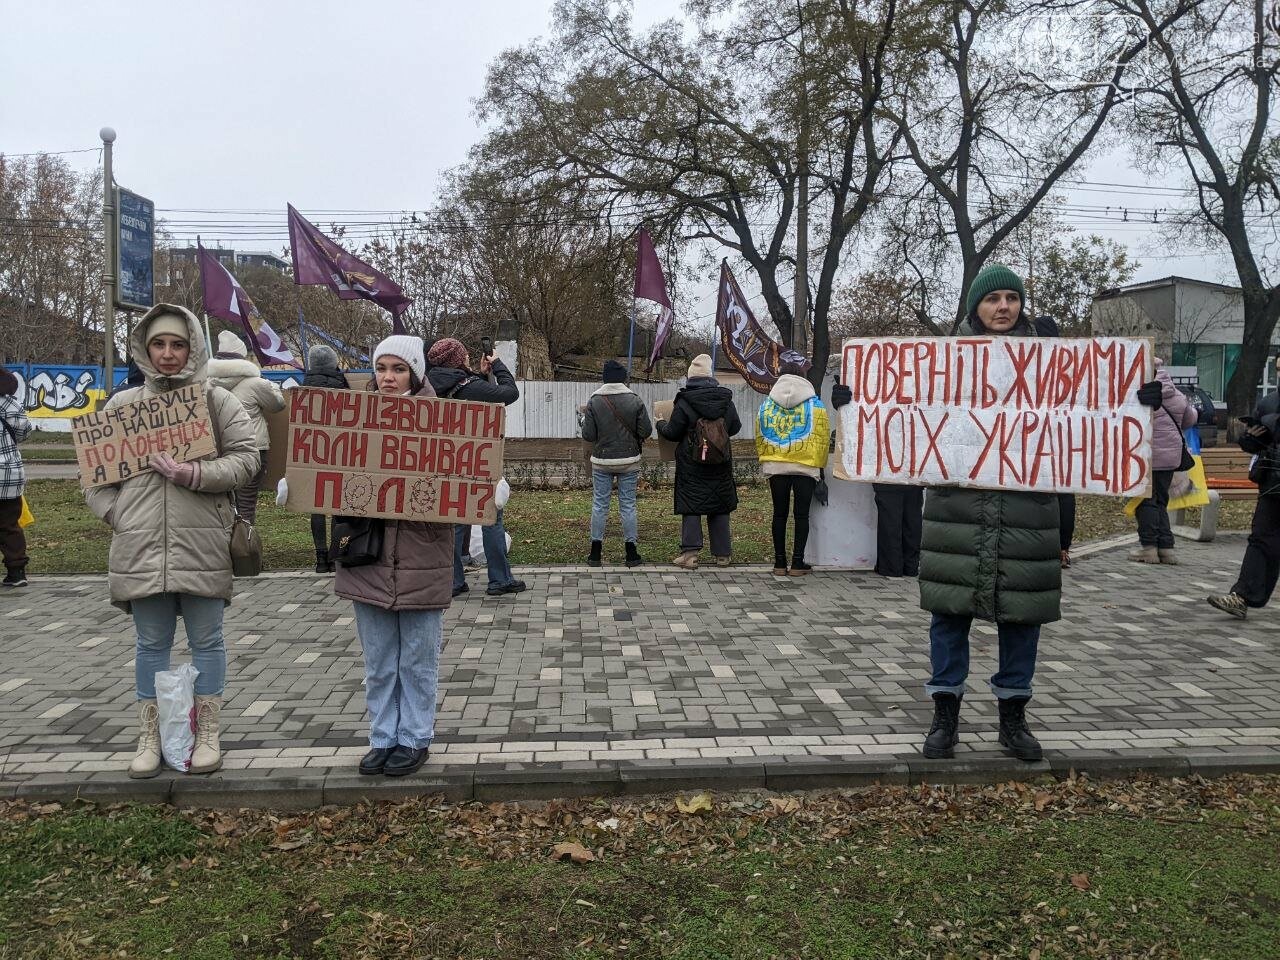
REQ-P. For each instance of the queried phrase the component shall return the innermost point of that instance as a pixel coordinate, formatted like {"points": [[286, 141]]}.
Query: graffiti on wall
{"points": [[59, 391]]}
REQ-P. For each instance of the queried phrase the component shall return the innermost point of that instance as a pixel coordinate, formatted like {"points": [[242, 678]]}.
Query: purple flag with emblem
{"points": [[652, 285], [751, 351], [318, 260], [225, 299]]}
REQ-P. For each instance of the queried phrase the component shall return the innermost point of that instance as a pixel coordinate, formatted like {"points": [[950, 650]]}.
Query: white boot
{"points": [[208, 753], [147, 762]]}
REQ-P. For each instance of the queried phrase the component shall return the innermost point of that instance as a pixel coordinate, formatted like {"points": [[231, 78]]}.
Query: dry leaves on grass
{"points": [[572, 851], [698, 803]]}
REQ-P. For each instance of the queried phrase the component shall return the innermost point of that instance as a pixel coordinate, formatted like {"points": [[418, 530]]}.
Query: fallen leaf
{"points": [[289, 844], [1080, 881], [574, 851], [610, 824], [698, 803], [1042, 800], [785, 804]]}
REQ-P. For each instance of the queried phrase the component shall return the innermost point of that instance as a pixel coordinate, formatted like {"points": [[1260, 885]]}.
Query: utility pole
{"points": [[800, 316], [108, 261]]}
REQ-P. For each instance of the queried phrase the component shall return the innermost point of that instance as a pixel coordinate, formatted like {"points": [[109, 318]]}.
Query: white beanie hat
{"points": [[701, 366], [229, 343], [407, 348]]}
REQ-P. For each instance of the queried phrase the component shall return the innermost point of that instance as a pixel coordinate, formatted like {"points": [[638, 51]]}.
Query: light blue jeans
{"points": [[601, 491], [155, 619], [401, 672]]}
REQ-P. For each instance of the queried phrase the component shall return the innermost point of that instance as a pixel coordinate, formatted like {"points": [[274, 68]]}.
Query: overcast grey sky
{"points": [[236, 105]]}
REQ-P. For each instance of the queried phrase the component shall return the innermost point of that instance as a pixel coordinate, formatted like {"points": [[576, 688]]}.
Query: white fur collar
{"points": [[612, 388], [228, 369]]}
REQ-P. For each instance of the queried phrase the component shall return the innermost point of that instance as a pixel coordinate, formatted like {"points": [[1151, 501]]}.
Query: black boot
{"points": [[1014, 735], [633, 555], [944, 734], [322, 562], [597, 549]]}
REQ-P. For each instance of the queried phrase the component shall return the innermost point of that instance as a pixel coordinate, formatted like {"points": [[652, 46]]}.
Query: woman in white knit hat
{"points": [[400, 600], [171, 536]]}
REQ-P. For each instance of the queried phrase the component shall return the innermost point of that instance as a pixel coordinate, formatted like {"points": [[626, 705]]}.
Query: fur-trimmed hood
{"points": [[225, 372]]}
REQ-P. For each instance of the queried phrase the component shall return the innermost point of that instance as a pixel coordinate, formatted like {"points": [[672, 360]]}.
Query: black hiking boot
{"points": [[944, 734], [633, 555], [322, 562], [597, 551], [1014, 735]]}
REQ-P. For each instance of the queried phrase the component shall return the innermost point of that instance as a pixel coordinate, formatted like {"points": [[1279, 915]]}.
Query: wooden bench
{"points": [[1227, 471]]}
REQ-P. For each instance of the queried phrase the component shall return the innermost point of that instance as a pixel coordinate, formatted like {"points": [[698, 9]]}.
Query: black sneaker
{"points": [[16, 577], [515, 586], [462, 589]]}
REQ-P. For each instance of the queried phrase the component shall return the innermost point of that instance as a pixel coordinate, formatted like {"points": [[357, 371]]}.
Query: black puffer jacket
{"points": [[702, 488], [1266, 472], [322, 370], [446, 380]]}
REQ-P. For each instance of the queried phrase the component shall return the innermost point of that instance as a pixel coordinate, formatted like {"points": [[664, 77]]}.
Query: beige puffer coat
{"points": [[258, 395], [415, 570], [167, 538]]}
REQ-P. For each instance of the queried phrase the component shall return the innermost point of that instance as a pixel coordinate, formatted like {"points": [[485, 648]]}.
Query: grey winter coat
{"points": [[167, 538], [991, 554], [415, 569], [258, 395], [616, 424]]}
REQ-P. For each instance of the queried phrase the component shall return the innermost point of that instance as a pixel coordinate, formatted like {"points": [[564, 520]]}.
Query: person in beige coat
{"points": [[400, 601], [232, 370], [171, 534]]}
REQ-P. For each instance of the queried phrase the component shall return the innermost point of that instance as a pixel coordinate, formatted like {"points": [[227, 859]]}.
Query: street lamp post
{"points": [[108, 136]]}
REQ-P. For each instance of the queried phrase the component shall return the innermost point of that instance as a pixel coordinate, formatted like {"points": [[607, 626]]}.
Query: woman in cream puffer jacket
{"points": [[171, 534]]}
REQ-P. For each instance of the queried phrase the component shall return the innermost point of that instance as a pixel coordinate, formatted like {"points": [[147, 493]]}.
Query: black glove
{"points": [[1151, 394], [841, 396], [820, 492]]}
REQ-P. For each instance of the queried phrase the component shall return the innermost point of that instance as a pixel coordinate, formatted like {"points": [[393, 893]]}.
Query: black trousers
{"points": [[781, 487], [899, 521], [1261, 565], [1066, 519], [319, 537], [1153, 513], [13, 541]]}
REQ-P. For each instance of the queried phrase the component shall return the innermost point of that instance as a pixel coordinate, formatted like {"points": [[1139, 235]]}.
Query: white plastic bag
{"points": [[176, 702], [477, 545], [502, 494]]}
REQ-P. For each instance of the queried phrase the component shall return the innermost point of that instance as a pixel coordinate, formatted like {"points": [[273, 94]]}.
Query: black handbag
{"points": [[357, 541], [1187, 461]]}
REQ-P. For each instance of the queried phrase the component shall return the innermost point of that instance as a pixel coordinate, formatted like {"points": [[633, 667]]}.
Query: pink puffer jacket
{"points": [[1176, 415], [415, 571]]}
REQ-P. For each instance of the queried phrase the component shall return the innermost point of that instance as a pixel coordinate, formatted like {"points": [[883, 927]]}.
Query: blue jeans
{"points": [[601, 491], [155, 619], [494, 539], [949, 653], [401, 672]]}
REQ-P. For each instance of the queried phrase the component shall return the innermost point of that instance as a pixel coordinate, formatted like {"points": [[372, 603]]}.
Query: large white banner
{"points": [[1010, 413]]}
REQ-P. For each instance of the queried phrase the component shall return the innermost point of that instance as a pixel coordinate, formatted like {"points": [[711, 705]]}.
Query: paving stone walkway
{"points": [[611, 680]]}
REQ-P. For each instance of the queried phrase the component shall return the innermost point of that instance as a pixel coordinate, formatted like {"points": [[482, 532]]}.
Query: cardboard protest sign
{"points": [[117, 443], [365, 454], [1009, 413], [662, 410]]}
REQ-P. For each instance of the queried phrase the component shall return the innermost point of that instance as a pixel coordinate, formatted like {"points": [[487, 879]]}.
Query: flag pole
{"points": [[631, 337], [302, 336]]}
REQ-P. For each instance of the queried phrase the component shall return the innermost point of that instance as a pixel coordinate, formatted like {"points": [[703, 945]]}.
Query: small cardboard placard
{"points": [[357, 453], [118, 443], [662, 410]]}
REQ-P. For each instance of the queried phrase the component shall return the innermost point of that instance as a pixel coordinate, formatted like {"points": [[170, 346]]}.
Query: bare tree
{"points": [[1207, 102]]}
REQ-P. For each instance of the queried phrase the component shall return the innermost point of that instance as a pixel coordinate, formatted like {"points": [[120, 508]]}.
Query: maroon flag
{"points": [[318, 260], [652, 286], [226, 299], [753, 353]]}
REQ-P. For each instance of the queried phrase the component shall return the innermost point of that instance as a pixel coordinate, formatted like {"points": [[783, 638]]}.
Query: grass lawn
{"points": [[546, 527], [1058, 870]]}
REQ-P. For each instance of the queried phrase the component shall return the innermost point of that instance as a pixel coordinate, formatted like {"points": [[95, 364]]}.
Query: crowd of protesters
{"points": [[989, 554]]}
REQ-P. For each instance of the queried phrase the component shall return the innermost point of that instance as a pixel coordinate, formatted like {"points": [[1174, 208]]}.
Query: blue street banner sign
{"points": [[135, 251]]}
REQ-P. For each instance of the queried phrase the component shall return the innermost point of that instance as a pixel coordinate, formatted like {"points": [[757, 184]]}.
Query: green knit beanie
{"points": [[994, 276]]}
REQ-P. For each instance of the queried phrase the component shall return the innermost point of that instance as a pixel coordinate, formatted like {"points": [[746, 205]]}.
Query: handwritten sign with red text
{"points": [[117, 443], [1008, 413], [364, 454]]}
